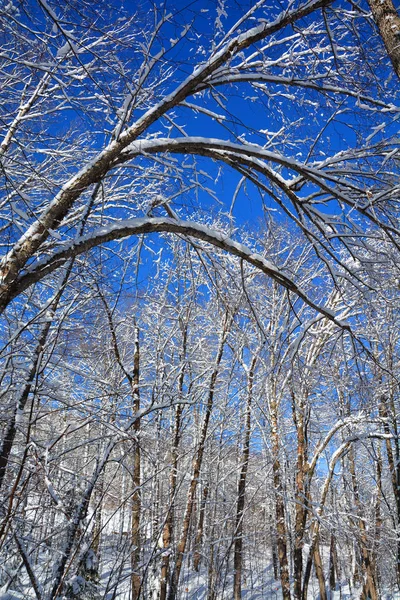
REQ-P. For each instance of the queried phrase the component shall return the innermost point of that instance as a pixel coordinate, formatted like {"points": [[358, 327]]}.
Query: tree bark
{"points": [[301, 499], [387, 20], [279, 504], [378, 517], [275, 562], [238, 548], [200, 530], [369, 590], [319, 571], [393, 457], [333, 565], [169, 523], [98, 507], [136, 498]]}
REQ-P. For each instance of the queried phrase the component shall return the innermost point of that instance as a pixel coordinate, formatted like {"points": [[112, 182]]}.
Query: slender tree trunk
{"points": [[315, 526], [396, 478], [98, 503], [319, 571], [169, 522], [275, 561], [136, 497], [200, 530], [238, 548], [393, 457], [369, 590], [197, 462], [304, 472], [333, 564], [156, 481], [211, 574], [279, 504], [301, 499], [134, 381], [123, 511], [378, 516]]}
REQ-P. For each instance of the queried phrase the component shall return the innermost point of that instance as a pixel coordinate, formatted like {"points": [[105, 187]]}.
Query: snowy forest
{"points": [[199, 300]]}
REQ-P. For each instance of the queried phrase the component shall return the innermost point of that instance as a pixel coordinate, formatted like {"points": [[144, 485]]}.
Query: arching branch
{"points": [[157, 225]]}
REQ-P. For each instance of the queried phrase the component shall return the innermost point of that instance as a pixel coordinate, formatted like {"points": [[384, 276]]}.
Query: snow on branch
{"points": [[157, 225]]}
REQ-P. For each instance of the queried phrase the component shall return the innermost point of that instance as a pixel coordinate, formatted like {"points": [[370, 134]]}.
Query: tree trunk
{"points": [[301, 499], [136, 497], [197, 462], [333, 566], [200, 530], [98, 508], [211, 575], [238, 548], [393, 457], [279, 504], [387, 20], [275, 562], [378, 516], [369, 590], [169, 522], [319, 571]]}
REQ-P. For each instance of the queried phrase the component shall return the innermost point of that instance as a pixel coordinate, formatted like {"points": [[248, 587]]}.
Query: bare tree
{"points": [[136, 147]]}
